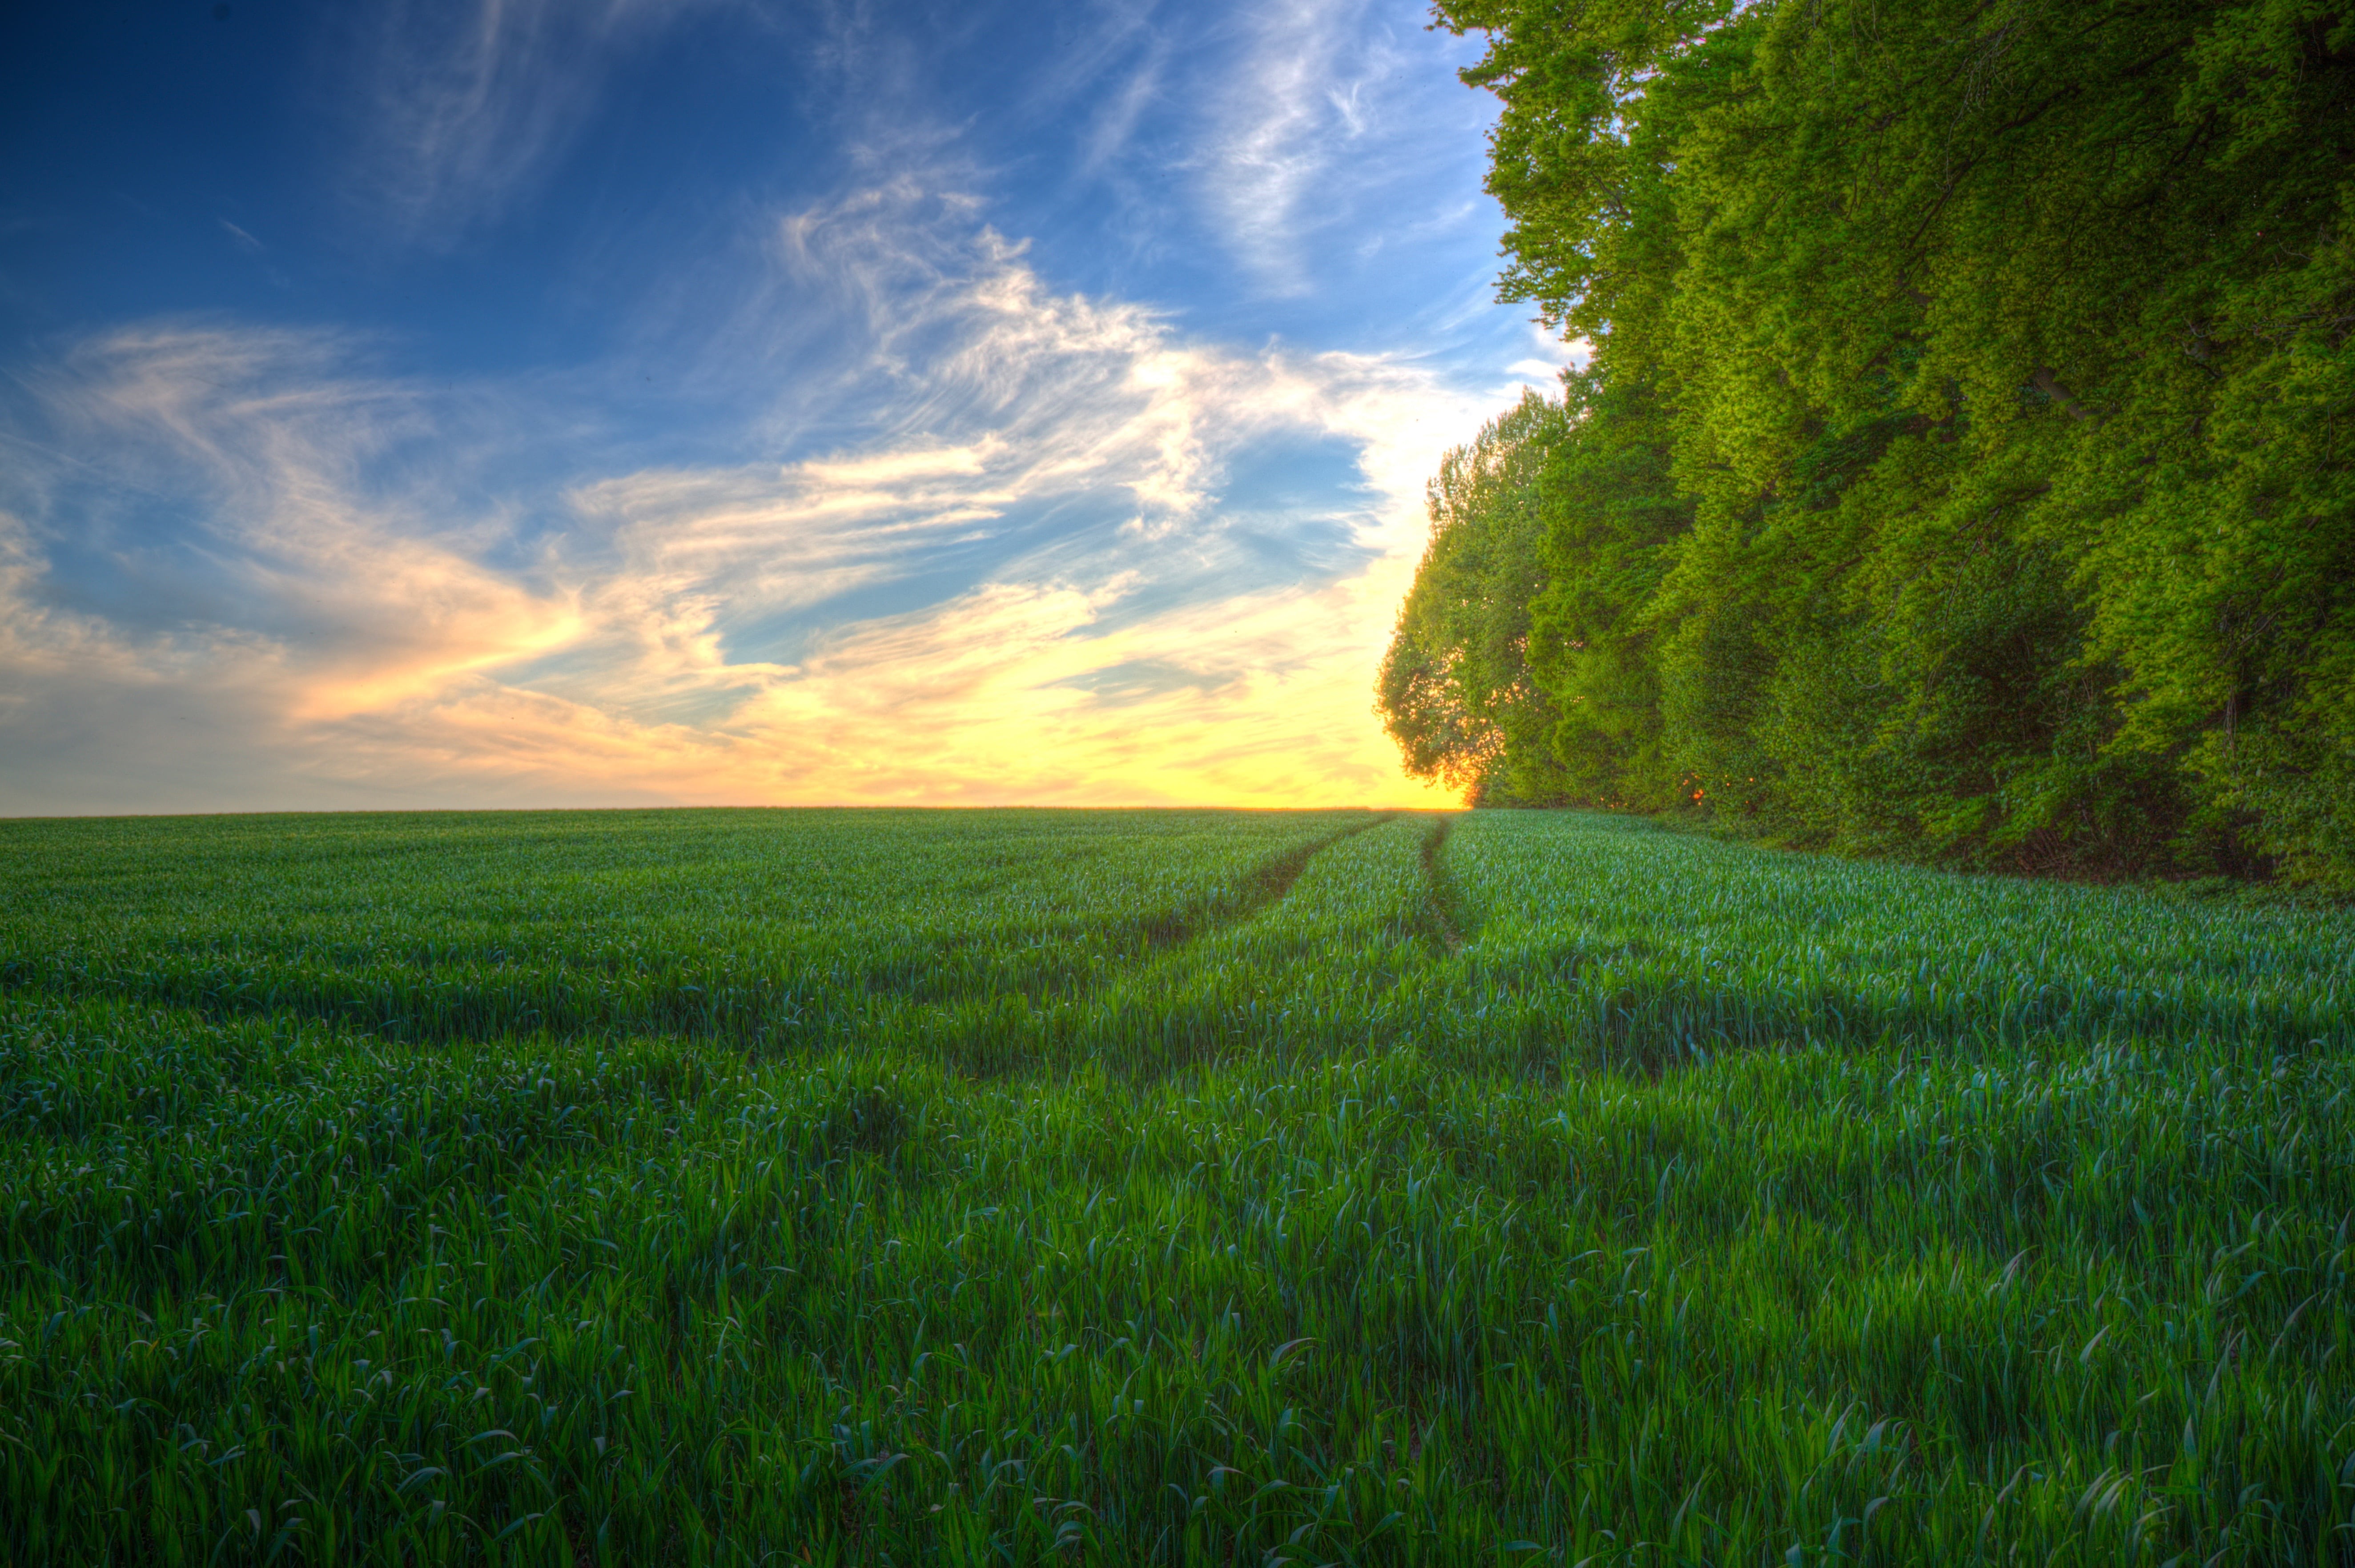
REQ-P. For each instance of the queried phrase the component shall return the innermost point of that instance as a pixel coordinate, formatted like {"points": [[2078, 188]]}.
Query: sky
{"points": [[535, 403]]}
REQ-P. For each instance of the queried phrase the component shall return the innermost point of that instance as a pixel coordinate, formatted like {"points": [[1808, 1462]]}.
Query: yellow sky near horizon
{"points": [[677, 635]]}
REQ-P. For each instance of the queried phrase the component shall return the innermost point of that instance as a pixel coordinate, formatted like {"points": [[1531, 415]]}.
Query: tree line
{"points": [[1960, 467]]}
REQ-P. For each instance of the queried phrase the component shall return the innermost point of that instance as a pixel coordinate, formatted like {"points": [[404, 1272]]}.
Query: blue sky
{"points": [[556, 402]]}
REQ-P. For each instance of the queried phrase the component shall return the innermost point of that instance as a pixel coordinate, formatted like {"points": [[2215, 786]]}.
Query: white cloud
{"points": [[259, 449], [1282, 126], [1335, 124], [463, 105], [375, 639], [1549, 357]]}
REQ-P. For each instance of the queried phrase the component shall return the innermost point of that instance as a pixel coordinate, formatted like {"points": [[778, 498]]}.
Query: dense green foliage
{"points": [[1964, 466], [1123, 1187]]}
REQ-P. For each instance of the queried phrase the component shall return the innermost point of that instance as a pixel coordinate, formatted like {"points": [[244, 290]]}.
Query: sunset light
{"points": [[696, 404], [805, 783]]}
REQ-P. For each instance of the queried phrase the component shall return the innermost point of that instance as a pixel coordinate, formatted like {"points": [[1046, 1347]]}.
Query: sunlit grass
{"points": [[1110, 1187]]}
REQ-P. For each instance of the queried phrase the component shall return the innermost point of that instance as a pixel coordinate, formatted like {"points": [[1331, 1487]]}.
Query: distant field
{"points": [[1184, 1187]]}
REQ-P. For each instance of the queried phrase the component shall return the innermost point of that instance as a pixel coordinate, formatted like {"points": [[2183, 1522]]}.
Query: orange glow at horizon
{"points": [[1147, 661]]}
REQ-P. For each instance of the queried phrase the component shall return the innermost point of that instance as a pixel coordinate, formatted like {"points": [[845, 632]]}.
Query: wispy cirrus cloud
{"points": [[1322, 119], [956, 606], [461, 105], [243, 529], [721, 436]]}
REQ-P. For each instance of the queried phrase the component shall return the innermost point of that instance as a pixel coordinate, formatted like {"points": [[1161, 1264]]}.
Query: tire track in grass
{"points": [[1320, 938], [1262, 885], [1114, 1005], [1442, 907], [1144, 936], [1160, 940], [753, 1006]]}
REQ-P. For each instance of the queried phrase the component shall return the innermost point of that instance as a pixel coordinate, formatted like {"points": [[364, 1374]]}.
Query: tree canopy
{"points": [[1962, 468]]}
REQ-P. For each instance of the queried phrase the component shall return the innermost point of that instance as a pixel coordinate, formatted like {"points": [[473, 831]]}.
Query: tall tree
{"points": [[1456, 690], [1963, 469]]}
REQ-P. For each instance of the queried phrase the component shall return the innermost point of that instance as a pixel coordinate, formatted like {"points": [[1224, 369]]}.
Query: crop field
{"points": [[1010, 1187]]}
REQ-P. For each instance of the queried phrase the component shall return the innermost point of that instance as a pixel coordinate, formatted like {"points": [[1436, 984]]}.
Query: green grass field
{"points": [[1109, 1186]]}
